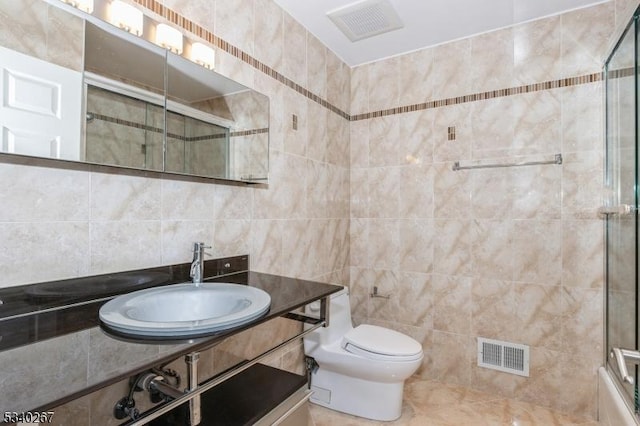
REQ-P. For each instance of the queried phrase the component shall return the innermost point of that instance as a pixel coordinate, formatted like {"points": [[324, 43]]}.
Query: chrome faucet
{"points": [[197, 265]]}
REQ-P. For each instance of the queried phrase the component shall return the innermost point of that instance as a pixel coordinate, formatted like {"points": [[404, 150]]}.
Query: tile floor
{"points": [[428, 403]]}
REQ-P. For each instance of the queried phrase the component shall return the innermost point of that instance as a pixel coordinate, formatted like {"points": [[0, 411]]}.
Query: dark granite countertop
{"points": [[38, 348]]}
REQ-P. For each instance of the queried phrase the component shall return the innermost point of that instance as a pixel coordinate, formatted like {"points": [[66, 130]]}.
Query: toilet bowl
{"points": [[361, 370]]}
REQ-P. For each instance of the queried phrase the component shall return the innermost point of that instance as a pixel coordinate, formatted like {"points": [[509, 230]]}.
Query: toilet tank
{"points": [[339, 320]]}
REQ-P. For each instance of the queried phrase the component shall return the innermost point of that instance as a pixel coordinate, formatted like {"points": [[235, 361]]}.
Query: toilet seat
{"points": [[378, 343]]}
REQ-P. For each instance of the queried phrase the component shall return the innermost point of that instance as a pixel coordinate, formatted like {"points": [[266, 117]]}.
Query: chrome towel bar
{"points": [[557, 160]]}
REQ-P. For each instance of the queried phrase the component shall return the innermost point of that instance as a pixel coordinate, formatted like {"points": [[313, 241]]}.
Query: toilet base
{"points": [[351, 395]]}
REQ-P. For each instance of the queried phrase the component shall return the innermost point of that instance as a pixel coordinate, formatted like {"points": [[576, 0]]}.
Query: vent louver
{"points": [[366, 19], [503, 356]]}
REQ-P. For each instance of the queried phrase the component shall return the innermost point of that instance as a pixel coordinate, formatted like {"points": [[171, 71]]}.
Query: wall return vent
{"points": [[366, 19], [503, 356]]}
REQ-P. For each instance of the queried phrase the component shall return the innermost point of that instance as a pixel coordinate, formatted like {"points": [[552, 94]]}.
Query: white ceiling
{"points": [[426, 22]]}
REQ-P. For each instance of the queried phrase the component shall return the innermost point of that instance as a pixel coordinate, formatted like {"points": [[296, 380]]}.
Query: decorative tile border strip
{"points": [[190, 26], [481, 96], [121, 122], [153, 129]]}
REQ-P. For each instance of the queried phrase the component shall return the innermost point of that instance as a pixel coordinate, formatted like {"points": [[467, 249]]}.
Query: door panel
{"points": [[35, 91]]}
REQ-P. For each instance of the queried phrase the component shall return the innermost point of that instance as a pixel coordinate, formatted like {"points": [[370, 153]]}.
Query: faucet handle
{"points": [[200, 246]]}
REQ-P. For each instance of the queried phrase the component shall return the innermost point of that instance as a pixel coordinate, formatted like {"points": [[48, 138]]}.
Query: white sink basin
{"points": [[185, 309]]}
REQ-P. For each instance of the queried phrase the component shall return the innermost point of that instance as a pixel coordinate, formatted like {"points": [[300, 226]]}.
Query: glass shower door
{"points": [[620, 209]]}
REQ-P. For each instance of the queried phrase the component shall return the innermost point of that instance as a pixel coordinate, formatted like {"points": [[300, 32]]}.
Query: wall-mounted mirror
{"points": [[124, 101]]}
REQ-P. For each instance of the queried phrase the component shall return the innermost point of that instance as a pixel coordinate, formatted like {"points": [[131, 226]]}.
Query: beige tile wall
{"points": [[512, 254], [58, 223], [494, 253]]}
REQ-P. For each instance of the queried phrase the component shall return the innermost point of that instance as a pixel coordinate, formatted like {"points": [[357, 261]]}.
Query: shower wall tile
{"points": [[493, 308], [451, 193], [415, 299], [234, 22], [538, 50], [234, 68], [413, 74], [416, 245], [624, 10], [338, 82], [582, 178], [317, 131], [337, 150], [585, 38], [582, 322], [295, 136], [491, 250], [359, 144], [384, 243], [582, 117], [492, 127], [537, 250], [384, 91], [316, 66], [416, 195], [452, 304], [384, 134], [451, 65], [492, 58], [388, 283], [359, 90], [295, 51], [460, 117], [452, 247], [416, 138], [582, 253], [538, 310], [452, 362], [537, 123], [359, 242], [268, 33], [384, 198]]}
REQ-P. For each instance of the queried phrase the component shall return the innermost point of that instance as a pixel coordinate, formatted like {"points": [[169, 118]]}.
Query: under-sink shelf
{"points": [[245, 399]]}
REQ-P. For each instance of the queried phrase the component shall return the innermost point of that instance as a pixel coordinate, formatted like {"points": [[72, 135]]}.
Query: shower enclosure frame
{"points": [[620, 211]]}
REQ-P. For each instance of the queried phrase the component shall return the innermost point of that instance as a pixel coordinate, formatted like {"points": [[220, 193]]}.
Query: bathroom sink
{"points": [[184, 309]]}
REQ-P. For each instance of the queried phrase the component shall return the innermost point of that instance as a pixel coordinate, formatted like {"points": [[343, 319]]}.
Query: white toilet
{"points": [[361, 370]]}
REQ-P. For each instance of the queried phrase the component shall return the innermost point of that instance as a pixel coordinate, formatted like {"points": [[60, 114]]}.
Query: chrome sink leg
{"points": [[192, 384]]}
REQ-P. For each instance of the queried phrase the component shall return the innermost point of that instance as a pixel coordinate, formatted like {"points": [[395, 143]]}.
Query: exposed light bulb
{"points": [[169, 37], [127, 17], [203, 55]]}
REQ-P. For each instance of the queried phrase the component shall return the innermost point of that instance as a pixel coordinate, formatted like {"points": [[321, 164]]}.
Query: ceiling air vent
{"points": [[366, 19]]}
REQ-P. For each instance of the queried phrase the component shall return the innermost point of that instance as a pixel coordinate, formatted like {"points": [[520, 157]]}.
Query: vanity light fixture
{"points": [[203, 55], [126, 17], [169, 38], [84, 5]]}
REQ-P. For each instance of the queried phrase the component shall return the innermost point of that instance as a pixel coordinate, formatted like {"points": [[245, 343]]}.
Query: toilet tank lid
{"points": [[381, 340]]}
